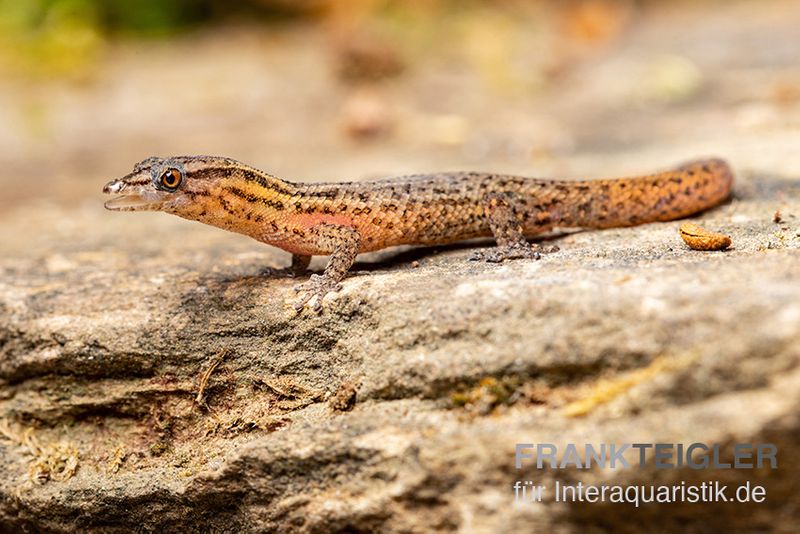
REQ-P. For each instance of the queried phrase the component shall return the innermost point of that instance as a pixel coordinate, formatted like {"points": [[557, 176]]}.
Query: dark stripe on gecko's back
{"points": [[254, 199], [207, 159], [269, 183], [320, 193]]}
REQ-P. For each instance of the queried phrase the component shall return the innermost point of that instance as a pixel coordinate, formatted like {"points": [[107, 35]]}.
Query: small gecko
{"points": [[345, 219]]}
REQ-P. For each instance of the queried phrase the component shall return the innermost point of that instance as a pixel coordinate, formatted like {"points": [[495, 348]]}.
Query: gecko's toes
{"points": [[300, 303], [514, 252], [314, 291], [548, 249]]}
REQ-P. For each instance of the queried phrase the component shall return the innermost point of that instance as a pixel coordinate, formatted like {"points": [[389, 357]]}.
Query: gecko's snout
{"points": [[113, 187]]}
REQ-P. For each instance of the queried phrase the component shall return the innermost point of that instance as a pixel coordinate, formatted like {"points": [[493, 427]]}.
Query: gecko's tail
{"points": [[685, 190]]}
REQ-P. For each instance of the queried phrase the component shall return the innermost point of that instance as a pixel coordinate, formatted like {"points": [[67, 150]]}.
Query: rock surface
{"points": [[153, 377], [622, 335]]}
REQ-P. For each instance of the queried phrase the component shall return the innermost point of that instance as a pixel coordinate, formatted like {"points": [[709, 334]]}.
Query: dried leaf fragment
{"points": [[698, 238], [345, 397]]}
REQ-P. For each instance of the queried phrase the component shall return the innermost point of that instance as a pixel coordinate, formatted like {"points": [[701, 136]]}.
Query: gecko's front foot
{"points": [[512, 252], [314, 290]]}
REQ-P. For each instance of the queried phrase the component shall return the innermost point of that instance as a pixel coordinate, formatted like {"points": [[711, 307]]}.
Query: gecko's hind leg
{"points": [[507, 230]]}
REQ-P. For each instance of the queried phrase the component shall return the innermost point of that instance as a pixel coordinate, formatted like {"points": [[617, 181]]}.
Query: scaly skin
{"points": [[345, 219]]}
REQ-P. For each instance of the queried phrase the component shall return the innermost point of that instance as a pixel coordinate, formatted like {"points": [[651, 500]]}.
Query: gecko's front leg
{"points": [[342, 243]]}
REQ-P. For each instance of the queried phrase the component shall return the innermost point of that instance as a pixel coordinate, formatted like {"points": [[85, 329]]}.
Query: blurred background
{"points": [[325, 90]]}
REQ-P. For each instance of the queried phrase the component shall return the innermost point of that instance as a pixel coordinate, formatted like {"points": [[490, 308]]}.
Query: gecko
{"points": [[344, 219]]}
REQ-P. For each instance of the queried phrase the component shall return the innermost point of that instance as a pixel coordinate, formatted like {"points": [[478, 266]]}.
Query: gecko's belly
{"points": [[374, 240]]}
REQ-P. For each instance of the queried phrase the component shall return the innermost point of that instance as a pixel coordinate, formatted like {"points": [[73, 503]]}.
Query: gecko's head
{"points": [[163, 184]]}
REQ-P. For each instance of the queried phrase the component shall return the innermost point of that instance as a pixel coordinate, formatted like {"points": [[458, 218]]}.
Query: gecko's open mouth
{"points": [[140, 198], [135, 202], [130, 202]]}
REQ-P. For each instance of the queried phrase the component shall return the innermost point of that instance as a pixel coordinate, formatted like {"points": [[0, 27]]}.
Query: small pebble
{"points": [[698, 238]]}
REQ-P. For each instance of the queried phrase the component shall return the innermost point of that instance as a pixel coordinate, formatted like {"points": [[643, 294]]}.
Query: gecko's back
{"points": [[449, 207]]}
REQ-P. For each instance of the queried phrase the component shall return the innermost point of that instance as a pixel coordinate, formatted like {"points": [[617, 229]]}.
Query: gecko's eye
{"points": [[171, 179]]}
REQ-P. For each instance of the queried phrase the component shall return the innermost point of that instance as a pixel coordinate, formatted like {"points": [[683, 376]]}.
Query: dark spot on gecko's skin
{"points": [[664, 201], [561, 188], [226, 205], [194, 194], [298, 232], [274, 226], [705, 168]]}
